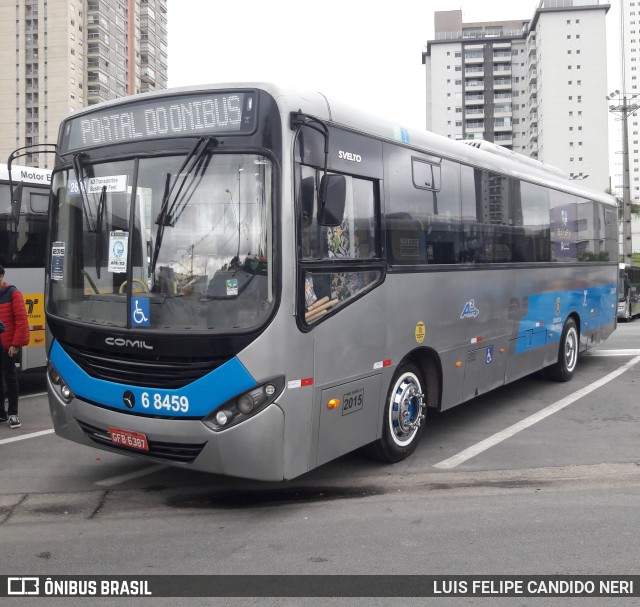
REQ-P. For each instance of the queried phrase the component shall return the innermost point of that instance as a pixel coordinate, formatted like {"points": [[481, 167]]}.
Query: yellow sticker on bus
{"points": [[34, 304]]}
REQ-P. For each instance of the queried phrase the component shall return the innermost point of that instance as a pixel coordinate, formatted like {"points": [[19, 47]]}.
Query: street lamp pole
{"points": [[623, 107]]}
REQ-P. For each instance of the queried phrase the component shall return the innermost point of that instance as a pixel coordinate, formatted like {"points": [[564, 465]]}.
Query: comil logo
{"points": [[127, 343], [23, 586]]}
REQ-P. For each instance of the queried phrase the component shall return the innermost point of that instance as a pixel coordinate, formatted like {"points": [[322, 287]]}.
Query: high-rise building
{"points": [[69, 54], [536, 86]]}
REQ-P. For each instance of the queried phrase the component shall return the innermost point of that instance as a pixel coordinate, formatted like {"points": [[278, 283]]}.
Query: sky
{"points": [[368, 54]]}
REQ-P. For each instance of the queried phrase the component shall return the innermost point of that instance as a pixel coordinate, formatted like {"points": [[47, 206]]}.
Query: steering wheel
{"points": [[145, 287]]}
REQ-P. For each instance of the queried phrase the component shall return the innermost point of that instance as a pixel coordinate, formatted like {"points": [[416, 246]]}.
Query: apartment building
{"points": [[69, 54], [536, 86]]}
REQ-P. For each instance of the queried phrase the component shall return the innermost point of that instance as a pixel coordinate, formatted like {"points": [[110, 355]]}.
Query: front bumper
{"points": [[253, 449]]}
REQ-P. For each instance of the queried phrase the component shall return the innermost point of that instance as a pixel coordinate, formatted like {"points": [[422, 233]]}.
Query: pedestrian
{"points": [[13, 316]]}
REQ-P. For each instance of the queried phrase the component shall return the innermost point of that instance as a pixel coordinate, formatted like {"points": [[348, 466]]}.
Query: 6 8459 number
{"points": [[168, 402]]}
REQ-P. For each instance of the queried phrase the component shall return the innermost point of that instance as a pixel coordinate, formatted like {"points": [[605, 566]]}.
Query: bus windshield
{"points": [[195, 251]]}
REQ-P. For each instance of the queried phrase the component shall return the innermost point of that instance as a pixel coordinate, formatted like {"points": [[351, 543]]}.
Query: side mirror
{"points": [[333, 193], [16, 203]]}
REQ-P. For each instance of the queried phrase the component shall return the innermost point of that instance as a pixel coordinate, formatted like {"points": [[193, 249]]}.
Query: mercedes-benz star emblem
{"points": [[129, 399]]}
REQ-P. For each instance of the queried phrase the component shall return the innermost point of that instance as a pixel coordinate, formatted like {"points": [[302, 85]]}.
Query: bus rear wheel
{"points": [[564, 369], [404, 416]]}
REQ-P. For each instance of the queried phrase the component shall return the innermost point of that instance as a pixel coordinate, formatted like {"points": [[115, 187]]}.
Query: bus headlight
{"points": [[245, 405], [223, 418], [60, 385], [54, 376]]}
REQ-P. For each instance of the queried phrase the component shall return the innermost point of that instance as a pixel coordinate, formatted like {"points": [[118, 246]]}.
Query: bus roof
{"points": [[477, 153]]}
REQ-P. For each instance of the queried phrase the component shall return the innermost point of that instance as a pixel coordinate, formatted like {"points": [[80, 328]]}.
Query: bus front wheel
{"points": [[564, 369], [404, 416]]}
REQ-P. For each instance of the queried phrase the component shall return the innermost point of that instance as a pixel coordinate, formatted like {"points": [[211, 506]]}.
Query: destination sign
{"points": [[174, 116]]}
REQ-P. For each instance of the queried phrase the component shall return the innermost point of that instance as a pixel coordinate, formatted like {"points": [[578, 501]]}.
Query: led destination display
{"points": [[175, 116]]}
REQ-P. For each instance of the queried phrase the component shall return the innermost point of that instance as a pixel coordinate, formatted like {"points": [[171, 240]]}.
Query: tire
{"points": [[404, 416], [564, 369]]}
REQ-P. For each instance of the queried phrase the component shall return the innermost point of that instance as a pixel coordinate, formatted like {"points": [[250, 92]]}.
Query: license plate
{"points": [[127, 438]]}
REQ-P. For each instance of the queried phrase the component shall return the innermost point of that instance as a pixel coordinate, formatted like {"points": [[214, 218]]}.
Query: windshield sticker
{"points": [[118, 243], [140, 312], [232, 286], [57, 261], [470, 310], [73, 187], [115, 183]]}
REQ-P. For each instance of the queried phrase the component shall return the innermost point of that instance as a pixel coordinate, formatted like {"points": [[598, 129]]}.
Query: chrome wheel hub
{"points": [[406, 409]]}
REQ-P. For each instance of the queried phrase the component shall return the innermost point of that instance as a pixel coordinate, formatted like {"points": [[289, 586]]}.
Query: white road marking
{"points": [[108, 482], [628, 352], [487, 443], [115, 480], [13, 439], [33, 395]]}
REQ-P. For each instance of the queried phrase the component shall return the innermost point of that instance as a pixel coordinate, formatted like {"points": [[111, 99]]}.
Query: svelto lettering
{"points": [[350, 156]]}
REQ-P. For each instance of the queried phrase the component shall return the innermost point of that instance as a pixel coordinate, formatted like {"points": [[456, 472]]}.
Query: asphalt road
{"points": [[536, 477]]}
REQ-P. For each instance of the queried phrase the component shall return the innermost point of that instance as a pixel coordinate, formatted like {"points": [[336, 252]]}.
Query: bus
{"points": [[23, 249], [628, 292], [252, 281]]}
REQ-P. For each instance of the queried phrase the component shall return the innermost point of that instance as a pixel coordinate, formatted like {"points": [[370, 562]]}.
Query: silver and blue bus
{"points": [[24, 201], [252, 281]]}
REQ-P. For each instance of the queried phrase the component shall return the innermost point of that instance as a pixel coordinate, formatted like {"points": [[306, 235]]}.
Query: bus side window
{"points": [[33, 251], [307, 200], [353, 239], [307, 212], [406, 239]]}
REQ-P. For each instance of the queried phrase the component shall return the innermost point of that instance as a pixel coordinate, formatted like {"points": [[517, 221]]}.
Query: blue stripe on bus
{"points": [[546, 313], [203, 395]]}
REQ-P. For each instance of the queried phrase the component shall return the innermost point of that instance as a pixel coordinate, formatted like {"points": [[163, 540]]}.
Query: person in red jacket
{"points": [[16, 335]]}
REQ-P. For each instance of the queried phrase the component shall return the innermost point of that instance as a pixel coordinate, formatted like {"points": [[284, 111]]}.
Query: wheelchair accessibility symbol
{"points": [[140, 312], [489, 358]]}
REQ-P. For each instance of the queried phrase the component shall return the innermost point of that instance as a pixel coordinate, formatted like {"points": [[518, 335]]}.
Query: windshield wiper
{"points": [[170, 209], [99, 229], [167, 213], [180, 204], [77, 167], [161, 222]]}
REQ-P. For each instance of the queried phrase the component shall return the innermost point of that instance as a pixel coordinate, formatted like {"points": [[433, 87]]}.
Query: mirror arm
{"points": [[298, 120], [36, 148]]}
